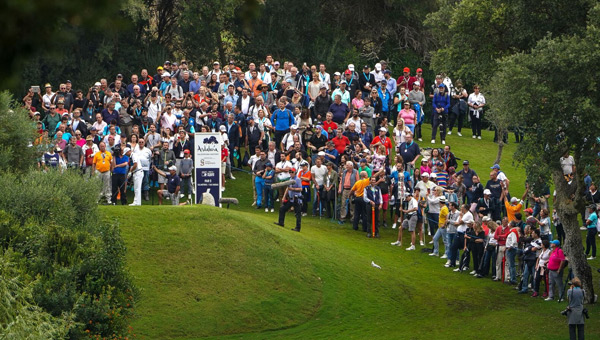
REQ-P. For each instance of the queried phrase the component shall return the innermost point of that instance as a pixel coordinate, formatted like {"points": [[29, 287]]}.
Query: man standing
{"points": [[102, 166], [347, 180], [137, 173], [358, 189], [500, 235], [282, 119], [73, 154], [293, 198]]}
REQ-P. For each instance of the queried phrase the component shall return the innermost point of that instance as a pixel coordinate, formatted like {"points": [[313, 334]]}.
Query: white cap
{"points": [[433, 175], [294, 127], [97, 83], [126, 150], [172, 168], [166, 74], [514, 200], [382, 129], [337, 74], [223, 128], [418, 83], [486, 219], [351, 67], [425, 174], [378, 67], [487, 192], [321, 153]]}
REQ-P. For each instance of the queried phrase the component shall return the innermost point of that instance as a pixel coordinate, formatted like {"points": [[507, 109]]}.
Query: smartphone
{"points": [[35, 89]]}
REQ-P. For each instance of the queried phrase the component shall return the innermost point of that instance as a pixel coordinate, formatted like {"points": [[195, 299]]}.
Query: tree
{"points": [[560, 109]]}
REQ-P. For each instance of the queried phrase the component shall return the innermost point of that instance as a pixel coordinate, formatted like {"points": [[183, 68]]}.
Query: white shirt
{"points": [[476, 98], [378, 75], [154, 109], [325, 78], [284, 175], [47, 99], [137, 159], [466, 218], [252, 161], [246, 104], [144, 157], [357, 122], [511, 240], [319, 173], [567, 165]]}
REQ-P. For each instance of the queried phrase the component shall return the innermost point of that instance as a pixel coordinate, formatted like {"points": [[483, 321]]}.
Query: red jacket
{"points": [[500, 234]]}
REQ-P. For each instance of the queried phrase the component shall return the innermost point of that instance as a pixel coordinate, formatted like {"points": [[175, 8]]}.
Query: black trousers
{"points": [[457, 245], [453, 118], [573, 329], [439, 120], [475, 124], [560, 233], [477, 250], [119, 184], [360, 212], [279, 136], [297, 211], [590, 240]]}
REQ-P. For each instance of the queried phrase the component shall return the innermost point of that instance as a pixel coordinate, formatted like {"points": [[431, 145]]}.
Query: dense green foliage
{"points": [[62, 271]]}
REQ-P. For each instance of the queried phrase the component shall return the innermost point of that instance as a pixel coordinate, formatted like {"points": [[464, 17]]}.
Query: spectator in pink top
{"points": [[409, 116], [556, 263]]}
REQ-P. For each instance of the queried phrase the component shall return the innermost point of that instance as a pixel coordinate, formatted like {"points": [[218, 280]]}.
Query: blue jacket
{"points": [[282, 120], [440, 101], [385, 100]]}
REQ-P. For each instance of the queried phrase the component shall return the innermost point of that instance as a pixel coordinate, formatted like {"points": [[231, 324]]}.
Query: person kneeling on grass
{"points": [[173, 185]]}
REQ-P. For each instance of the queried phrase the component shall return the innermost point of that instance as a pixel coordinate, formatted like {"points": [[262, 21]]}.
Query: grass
{"points": [[231, 274]]}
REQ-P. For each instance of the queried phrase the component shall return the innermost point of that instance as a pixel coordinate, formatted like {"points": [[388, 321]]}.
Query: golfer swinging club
{"points": [[292, 198]]}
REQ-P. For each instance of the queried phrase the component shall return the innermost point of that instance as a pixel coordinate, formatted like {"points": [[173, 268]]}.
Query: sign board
{"points": [[208, 164]]}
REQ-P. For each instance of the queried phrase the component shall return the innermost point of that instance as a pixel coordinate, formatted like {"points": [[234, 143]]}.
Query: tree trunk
{"points": [[499, 155], [566, 206], [221, 48]]}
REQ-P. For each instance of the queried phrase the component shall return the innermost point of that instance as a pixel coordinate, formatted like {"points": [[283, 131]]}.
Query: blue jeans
{"points": [[268, 192], [449, 240], [259, 182], [145, 183], [511, 253], [490, 257], [411, 127], [441, 232], [317, 206], [526, 272]]}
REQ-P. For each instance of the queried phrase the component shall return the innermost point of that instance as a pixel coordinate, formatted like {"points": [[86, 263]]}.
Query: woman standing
{"points": [[400, 131], [314, 88], [575, 310], [590, 240], [264, 124], [330, 188], [477, 239], [476, 103], [358, 101], [409, 115], [541, 270]]}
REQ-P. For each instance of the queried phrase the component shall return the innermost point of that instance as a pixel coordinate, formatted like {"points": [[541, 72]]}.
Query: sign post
{"points": [[208, 165]]}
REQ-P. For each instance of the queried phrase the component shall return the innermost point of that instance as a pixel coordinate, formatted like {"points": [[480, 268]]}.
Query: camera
{"points": [[565, 312], [585, 313]]}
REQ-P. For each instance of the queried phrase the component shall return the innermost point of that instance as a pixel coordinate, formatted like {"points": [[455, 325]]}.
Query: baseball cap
{"points": [[433, 175], [366, 66], [406, 69], [439, 164], [556, 243], [119, 75], [293, 170], [223, 128], [442, 85], [159, 68], [97, 83], [417, 83], [425, 174], [363, 160], [321, 153], [323, 86], [347, 72], [487, 192], [419, 70], [216, 63], [269, 164], [351, 67], [294, 127], [167, 63], [36, 113], [529, 210], [93, 128], [337, 74], [442, 199], [465, 162], [486, 219], [387, 72], [514, 200], [382, 129], [378, 67], [166, 74], [186, 151], [343, 82], [172, 168], [276, 63], [126, 150], [495, 167], [250, 118]]}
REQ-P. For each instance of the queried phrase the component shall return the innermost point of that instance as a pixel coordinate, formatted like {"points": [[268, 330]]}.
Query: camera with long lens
{"points": [[565, 312]]}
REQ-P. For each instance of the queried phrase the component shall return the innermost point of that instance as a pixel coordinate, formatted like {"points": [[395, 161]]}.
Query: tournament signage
{"points": [[208, 164]]}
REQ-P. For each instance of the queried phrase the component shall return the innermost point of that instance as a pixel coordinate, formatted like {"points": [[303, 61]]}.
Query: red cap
{"points": [[406, 69], [186, 151], [347, 72], [529, 210], [419, 70], [293, 169]]}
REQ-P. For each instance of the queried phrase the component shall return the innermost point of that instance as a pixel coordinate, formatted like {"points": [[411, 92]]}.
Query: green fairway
{"points": [[208, 272]]}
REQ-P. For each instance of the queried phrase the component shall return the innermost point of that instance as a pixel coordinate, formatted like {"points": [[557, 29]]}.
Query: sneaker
{"points": [[412, 247], [448, 262], [473, 273], [545, 295], [254, 203], [444, 256], [277, 200], [397, 243], [232, 177], [535, 294], [549, 299], [420, 139], [449, 133], [134, 205], [591, 258], [266, 209], [459, 134], [394, 226], [390, 124], [272, 210], [447, 265], [478, 137], [474, 136], [304, 214], [434, 254], [431, 242], [582, 228], [222, 189], [433, 141], [421, 243], [443, 142], [456, 270]]}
